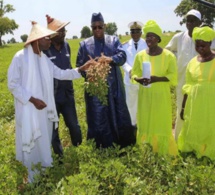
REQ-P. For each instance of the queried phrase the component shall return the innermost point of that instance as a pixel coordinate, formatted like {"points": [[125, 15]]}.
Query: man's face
{"points": [[136, 34], [98, 29], [60, 37], [44, 43], [192, 22]]}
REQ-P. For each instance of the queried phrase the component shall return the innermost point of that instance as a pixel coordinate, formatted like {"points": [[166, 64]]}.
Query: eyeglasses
{"points": [[135, 31], [97, 27]]}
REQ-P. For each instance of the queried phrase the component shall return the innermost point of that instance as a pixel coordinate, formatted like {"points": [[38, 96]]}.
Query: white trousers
{"points": [[131, 100]]}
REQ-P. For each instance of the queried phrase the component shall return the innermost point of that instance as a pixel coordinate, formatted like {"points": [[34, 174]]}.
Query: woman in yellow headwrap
{"points": [[198, 108], [154, 117]]}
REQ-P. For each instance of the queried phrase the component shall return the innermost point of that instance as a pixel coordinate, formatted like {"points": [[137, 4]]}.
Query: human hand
{"points": [[105, 59], [87, 64], [39, 104], [142, 81]]}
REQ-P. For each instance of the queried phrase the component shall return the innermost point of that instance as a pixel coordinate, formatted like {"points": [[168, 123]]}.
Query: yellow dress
{"points": [[154, 115], [198, 132]]}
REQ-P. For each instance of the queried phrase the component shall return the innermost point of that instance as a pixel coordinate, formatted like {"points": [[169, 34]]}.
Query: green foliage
{"points": [[85, 32], [111, 28], [6, 25], [186, 5], [24, 38], [90, 171]]}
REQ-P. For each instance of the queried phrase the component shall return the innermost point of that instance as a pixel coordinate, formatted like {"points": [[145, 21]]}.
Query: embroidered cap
{"points": [[135, 25], [54, 24], [97, 17], [38, 32]]}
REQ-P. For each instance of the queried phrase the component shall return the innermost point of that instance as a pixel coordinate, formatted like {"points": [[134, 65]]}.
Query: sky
{"points": [[79, 12]]}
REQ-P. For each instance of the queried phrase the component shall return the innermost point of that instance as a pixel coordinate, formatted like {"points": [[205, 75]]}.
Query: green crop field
{"points": [[89, 171]]}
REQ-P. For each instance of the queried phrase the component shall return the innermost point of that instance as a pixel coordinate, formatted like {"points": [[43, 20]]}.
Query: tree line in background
{"points": [[7, 26]]}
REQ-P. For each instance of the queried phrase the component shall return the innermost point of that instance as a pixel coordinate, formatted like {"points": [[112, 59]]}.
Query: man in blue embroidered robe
{"points": [[106, 124]]}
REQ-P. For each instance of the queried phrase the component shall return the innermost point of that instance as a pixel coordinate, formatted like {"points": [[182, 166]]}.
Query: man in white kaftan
{"points": [[132, 47], [30, 80], [183, 46]]}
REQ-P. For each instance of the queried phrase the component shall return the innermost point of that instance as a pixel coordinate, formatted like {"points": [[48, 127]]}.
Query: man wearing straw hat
{"points": [[30, 80], [59, 54]]}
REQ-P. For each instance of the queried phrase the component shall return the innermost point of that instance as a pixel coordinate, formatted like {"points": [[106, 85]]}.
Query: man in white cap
{"points": [[30, 80], [132, 47], [183, 46], [59, 53]]}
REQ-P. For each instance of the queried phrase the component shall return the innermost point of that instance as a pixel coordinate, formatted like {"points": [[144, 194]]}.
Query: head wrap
{"points": [[54, 24], [38, 32], [195, 13], [135, 25], [97, 17], [152, 27], [205, 33]]}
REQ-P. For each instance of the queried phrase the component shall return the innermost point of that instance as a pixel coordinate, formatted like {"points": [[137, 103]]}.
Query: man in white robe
{"points": [[132, 47], [183, 46], [30, 80]]}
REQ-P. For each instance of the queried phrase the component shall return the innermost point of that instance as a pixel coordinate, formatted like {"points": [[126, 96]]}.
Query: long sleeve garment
{"points": [[197, 134], [131, 90], [154, 115], [184, 47], [27, 78], [112, 123], [64, 97]]}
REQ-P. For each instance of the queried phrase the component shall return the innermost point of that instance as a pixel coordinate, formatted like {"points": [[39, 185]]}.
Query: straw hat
{"points": [[38, 32], [54, 24]]}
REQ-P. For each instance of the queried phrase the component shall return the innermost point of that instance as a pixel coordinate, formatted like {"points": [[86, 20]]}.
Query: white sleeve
{"points": [[172, 45], [126, 67], [68, 74], [15, 81]]}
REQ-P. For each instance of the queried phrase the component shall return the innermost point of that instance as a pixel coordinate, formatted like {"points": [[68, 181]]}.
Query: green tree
{"points": [[111, 28], [6, 25], [85, 32], [24, 38], [208, 13]]}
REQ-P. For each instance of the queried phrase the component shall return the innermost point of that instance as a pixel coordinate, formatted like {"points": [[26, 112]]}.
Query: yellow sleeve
{"points": [[172, 70], [187, 86]]}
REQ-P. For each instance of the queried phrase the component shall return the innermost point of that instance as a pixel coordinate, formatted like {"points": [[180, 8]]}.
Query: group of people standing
{"points": [[139, 110], [191, 70]]}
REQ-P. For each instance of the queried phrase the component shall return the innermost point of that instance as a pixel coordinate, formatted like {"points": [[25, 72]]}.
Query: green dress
{"points": [[198, 132], [154, 115]]}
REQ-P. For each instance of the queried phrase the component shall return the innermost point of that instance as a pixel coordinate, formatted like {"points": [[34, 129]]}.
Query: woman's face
{"points": [[152, 39], [202, 47]]}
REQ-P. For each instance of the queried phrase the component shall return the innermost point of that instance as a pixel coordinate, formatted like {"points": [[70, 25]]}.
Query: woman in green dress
{"points": [[198, 107], [154, 116]]}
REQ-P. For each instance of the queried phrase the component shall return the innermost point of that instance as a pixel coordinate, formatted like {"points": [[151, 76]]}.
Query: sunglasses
{"points": [[135, 31], [97, 27]]}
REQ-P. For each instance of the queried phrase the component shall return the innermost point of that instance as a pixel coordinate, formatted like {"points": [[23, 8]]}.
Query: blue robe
{"points": [[107, 124]]}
